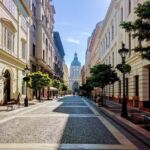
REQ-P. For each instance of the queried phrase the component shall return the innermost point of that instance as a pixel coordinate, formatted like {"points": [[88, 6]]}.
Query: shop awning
{"points": [[53, 89]]}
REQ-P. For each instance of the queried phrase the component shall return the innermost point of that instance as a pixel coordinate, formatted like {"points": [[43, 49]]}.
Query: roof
{"points": [[75, 61]]}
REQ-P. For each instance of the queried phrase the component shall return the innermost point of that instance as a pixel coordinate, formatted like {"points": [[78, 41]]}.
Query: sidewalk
{"points": [[8, 112], [113, 110], [136, 115]]}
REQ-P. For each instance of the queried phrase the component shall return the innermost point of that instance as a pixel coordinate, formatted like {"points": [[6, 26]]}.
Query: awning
{"points": [[53, 89]]}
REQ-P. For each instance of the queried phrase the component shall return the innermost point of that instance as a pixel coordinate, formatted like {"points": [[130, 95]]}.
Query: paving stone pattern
{"points": [[57, 129], [65, 110]]}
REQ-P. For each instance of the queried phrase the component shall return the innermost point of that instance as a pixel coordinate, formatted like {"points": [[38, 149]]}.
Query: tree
{"points": [[56, 84], [38, 81], [126, 68], [140, 29], [102, 75], [64, 87], [86, 89]]}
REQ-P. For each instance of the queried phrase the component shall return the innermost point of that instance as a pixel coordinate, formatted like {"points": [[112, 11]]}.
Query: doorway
{"points": [[7, 80]]}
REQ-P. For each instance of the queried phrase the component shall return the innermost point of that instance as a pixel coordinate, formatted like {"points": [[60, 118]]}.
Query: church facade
{"points": [[74, 79]]}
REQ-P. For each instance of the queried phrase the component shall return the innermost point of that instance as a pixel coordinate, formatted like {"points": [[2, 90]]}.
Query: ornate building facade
{"points": [[15, 19], [109, 41], [75, 78]]}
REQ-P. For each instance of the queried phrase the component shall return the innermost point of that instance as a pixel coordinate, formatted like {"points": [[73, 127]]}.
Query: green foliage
{"points": [[124, 68], [64, 87], [26, 79], [86, 89], [140, 29], [102, 75], [57, 84], [39, 80]]}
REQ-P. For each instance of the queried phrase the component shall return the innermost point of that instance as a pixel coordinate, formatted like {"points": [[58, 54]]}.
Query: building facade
{"points": [[42, 46], [14, 47], [75, 69], [66, 74], [59, 57], [111, 37], [93, 46]]}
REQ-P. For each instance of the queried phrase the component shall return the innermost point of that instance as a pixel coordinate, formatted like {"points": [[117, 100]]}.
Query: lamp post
{"points": [[123, 53], [26, 79]]}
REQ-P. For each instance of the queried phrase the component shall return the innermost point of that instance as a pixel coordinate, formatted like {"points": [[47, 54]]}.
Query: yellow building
{"points": [[14, 47], [138, 81]]}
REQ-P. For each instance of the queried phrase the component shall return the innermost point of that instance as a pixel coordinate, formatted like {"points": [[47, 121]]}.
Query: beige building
{"points": [[93, 46], [14, 47], [87, 65], [42, 49], [66, 74], [111, 37]]}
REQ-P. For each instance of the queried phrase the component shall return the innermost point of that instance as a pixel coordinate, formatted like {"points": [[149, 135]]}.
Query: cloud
{"points": [[71, 40], [86, 33]]}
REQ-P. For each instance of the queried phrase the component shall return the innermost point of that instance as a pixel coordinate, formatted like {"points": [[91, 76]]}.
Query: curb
{"points": [[143, 136]]}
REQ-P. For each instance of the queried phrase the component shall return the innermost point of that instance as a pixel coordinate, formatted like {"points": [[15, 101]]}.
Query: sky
{"points": [[75, 21]]}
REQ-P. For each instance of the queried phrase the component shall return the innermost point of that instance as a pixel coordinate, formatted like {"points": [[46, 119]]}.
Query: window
{"points": [[109, 38], [119, 87], [24, 23], [33, 48], [112, 30], [113, 59], [43, 37], [121, 14], [137, 85], [33, 10], [43, 54], [8, 39], [34, 28], [113, 90], [10, 5], [129, 6], [23, 49], [46, 43]]}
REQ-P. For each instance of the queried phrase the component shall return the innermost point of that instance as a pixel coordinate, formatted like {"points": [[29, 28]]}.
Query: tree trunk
{"points": [[39, 96]]}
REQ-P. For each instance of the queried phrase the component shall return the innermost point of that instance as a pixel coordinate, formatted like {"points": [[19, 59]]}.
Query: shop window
{"points": [[137, 85]]}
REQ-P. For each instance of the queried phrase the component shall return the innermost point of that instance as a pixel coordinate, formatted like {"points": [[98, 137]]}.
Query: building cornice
{"points": [[11, 59]]}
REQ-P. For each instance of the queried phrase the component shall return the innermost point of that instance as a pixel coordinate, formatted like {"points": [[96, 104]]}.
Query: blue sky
{"points": [[75, 21]]}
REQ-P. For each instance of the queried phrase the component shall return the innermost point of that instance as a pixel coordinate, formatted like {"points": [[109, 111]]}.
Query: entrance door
{"points": [[6, 86]]}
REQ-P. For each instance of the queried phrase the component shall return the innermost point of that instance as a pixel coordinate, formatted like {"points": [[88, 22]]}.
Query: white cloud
{"points": [[71, 40]]}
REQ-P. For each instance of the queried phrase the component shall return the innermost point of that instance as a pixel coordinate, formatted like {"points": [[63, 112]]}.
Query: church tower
{"points": [[75, 69]]}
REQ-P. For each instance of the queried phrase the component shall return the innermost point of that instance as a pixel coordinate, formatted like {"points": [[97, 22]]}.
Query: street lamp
{"points": [[26, 79], [123, 53]]}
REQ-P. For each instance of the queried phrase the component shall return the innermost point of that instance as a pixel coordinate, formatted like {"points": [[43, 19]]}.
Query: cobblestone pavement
{"points": [[68, 123]]}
